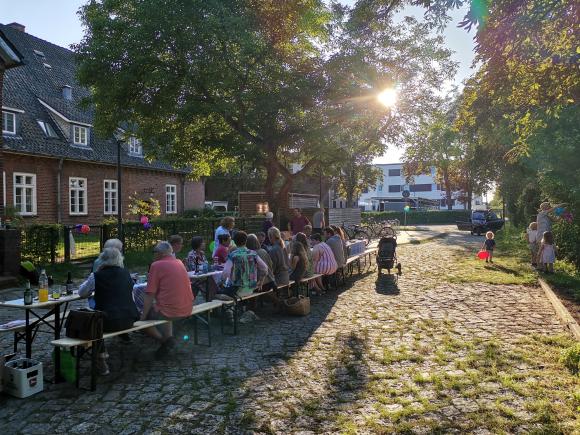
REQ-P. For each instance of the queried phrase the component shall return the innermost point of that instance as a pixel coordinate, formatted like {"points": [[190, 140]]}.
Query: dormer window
{"points": [[135, 147], [47, 129], [80, 135], [8, 123]]}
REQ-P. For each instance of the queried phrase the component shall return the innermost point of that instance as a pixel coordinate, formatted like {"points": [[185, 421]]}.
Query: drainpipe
{"points": [[59, 192]]}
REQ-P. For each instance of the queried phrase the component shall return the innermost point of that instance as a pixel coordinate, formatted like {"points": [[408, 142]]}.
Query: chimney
{"points": [[67, 92], [17, 26]]}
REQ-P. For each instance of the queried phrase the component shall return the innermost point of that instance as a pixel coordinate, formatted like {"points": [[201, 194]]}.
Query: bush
{"points": [[199, 212], [418, 217], [567, 237], [571, 358]]}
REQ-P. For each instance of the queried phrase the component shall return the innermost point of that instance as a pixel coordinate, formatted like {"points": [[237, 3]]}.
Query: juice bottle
{"points": [[43, 287]]}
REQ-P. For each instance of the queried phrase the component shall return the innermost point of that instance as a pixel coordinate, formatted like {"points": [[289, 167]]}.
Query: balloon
{"points": [[407, 209], [568, 217], [85, 229], [144, 219], [558, 211], [482, 255], [147, 225], [78, 227]]}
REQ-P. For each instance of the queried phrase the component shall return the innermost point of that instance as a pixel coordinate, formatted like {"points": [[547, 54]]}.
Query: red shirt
{"points": [[297, 224], [169, 283], [222, 254]]}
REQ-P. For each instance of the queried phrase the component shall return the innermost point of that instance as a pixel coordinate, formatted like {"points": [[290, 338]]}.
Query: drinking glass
{"points": [[56, 291]]}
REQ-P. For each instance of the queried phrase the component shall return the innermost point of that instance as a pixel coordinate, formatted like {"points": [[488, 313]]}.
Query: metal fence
{"points": [[43, 244]]}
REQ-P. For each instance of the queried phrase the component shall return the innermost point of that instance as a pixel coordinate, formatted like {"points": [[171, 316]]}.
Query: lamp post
{"points": [[120, 233]]}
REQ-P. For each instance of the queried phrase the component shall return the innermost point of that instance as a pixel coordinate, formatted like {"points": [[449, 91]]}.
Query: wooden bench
{"points": [[20, 330], [304, 284], [83, 346]]}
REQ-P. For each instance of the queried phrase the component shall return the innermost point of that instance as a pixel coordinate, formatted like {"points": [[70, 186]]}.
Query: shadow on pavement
{"points": [[387, 284]]}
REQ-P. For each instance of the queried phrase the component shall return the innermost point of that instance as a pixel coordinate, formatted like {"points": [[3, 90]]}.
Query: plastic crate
{"points": [[23, 377]]}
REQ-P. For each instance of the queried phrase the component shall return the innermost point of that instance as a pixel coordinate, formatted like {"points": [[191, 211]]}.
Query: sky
{"points": [[57, 21]]}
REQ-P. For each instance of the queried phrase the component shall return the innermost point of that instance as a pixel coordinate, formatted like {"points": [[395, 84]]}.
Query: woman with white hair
{"points": [[112, 287]]}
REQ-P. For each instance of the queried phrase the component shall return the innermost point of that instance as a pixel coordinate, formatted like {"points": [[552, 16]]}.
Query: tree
{"points": [[208, 81], [437, 146]]}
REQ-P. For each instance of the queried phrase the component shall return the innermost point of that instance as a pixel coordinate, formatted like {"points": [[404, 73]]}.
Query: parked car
{"points": [[482, 221]]}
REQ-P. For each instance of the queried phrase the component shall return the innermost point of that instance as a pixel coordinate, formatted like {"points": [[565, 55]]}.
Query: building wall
{"points": [[135, 182], [194, 195], [381, 190]]}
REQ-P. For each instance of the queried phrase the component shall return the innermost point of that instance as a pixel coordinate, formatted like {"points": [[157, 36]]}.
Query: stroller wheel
{"points": [[379, 269], [399, 269]]}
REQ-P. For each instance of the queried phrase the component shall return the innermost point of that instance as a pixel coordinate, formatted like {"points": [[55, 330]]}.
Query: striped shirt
{"points": [[324, 261]]}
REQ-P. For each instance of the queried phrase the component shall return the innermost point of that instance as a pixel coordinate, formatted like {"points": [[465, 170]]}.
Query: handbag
{"points": [[85, 324]]}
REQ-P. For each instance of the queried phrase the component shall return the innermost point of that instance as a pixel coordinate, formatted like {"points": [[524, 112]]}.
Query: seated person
{"points": [[110, 243], [222, 251], [323, 259], [168, 285], [262, 240], [176, 242], [279, 257], [243, 266], [253, 244], [308, 231], [298, 261], [112, 287], [337, 245], [196, 257]]}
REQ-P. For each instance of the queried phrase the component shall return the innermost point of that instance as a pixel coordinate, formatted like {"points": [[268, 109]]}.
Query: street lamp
{"points": [[388, 97], [119, 139]]}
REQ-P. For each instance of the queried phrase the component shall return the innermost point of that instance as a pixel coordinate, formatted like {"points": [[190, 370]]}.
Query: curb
{"points": [[561, 311]]}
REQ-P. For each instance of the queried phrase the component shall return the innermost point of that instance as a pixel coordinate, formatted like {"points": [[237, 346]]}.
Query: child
{"points": [[489, 245], [547, 252], [221, 253], [262, 240], [532, 239]]}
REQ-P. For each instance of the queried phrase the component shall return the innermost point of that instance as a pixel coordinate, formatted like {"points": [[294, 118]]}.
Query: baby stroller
{"points": [[387, 255]]}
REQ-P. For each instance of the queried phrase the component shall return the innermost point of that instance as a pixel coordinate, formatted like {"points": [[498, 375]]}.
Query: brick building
{"points": [[55, 168]]}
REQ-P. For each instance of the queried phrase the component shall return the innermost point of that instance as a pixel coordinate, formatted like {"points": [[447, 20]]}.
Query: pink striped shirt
{"points": [[324, 261]]}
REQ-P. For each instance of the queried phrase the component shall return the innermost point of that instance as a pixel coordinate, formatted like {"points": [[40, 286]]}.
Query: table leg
{"points": [[57, 326], [28, 336]]}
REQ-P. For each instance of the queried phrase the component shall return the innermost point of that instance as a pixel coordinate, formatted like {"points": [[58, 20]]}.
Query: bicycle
{"points": [[356, 232]]}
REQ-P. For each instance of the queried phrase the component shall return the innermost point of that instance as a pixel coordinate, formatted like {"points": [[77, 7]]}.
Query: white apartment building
{"points": [[424, 192]]}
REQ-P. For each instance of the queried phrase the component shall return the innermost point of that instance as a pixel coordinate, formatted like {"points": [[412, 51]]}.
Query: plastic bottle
{"points": [[43, 287]]}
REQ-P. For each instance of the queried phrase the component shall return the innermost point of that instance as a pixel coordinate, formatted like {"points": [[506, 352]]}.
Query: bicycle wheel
{"points": [[387, 232], [362, 236]]}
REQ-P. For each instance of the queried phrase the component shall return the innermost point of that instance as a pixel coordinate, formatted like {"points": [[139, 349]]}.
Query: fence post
{"points": [[66, 235]]}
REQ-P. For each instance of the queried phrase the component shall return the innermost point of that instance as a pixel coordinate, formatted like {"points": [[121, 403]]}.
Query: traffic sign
{"points": [[406, 194]]}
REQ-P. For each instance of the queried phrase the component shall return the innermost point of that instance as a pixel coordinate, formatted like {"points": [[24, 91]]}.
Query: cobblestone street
{"points": [[419, 356]]}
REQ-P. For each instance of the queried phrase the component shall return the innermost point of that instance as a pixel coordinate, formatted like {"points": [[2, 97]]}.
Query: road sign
{"points": [[406, 194]]}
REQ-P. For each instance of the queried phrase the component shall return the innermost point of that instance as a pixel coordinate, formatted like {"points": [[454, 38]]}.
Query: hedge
{"points": [[567, 237], [41, 243], [137, 238], [418, 217]]}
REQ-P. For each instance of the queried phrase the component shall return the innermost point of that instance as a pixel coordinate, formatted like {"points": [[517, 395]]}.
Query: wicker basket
{"points": [[297, 306]]}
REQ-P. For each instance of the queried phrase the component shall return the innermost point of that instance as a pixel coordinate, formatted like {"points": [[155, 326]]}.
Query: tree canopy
{"points": [[208, 81]]}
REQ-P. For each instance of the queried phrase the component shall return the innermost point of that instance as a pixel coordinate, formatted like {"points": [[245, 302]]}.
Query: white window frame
{"points": [[110, 206], [5, 114], [171, 199], [47, 128], [25, 186], [77, 190], [81, 141], [135, 147]]}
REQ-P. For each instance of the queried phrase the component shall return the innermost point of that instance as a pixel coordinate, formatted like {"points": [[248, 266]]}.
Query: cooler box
{"points": [[23, 377]]}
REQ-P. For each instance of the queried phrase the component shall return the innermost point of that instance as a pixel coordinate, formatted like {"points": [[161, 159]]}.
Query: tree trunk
{"points": [[447, 190], [271, 175]]}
